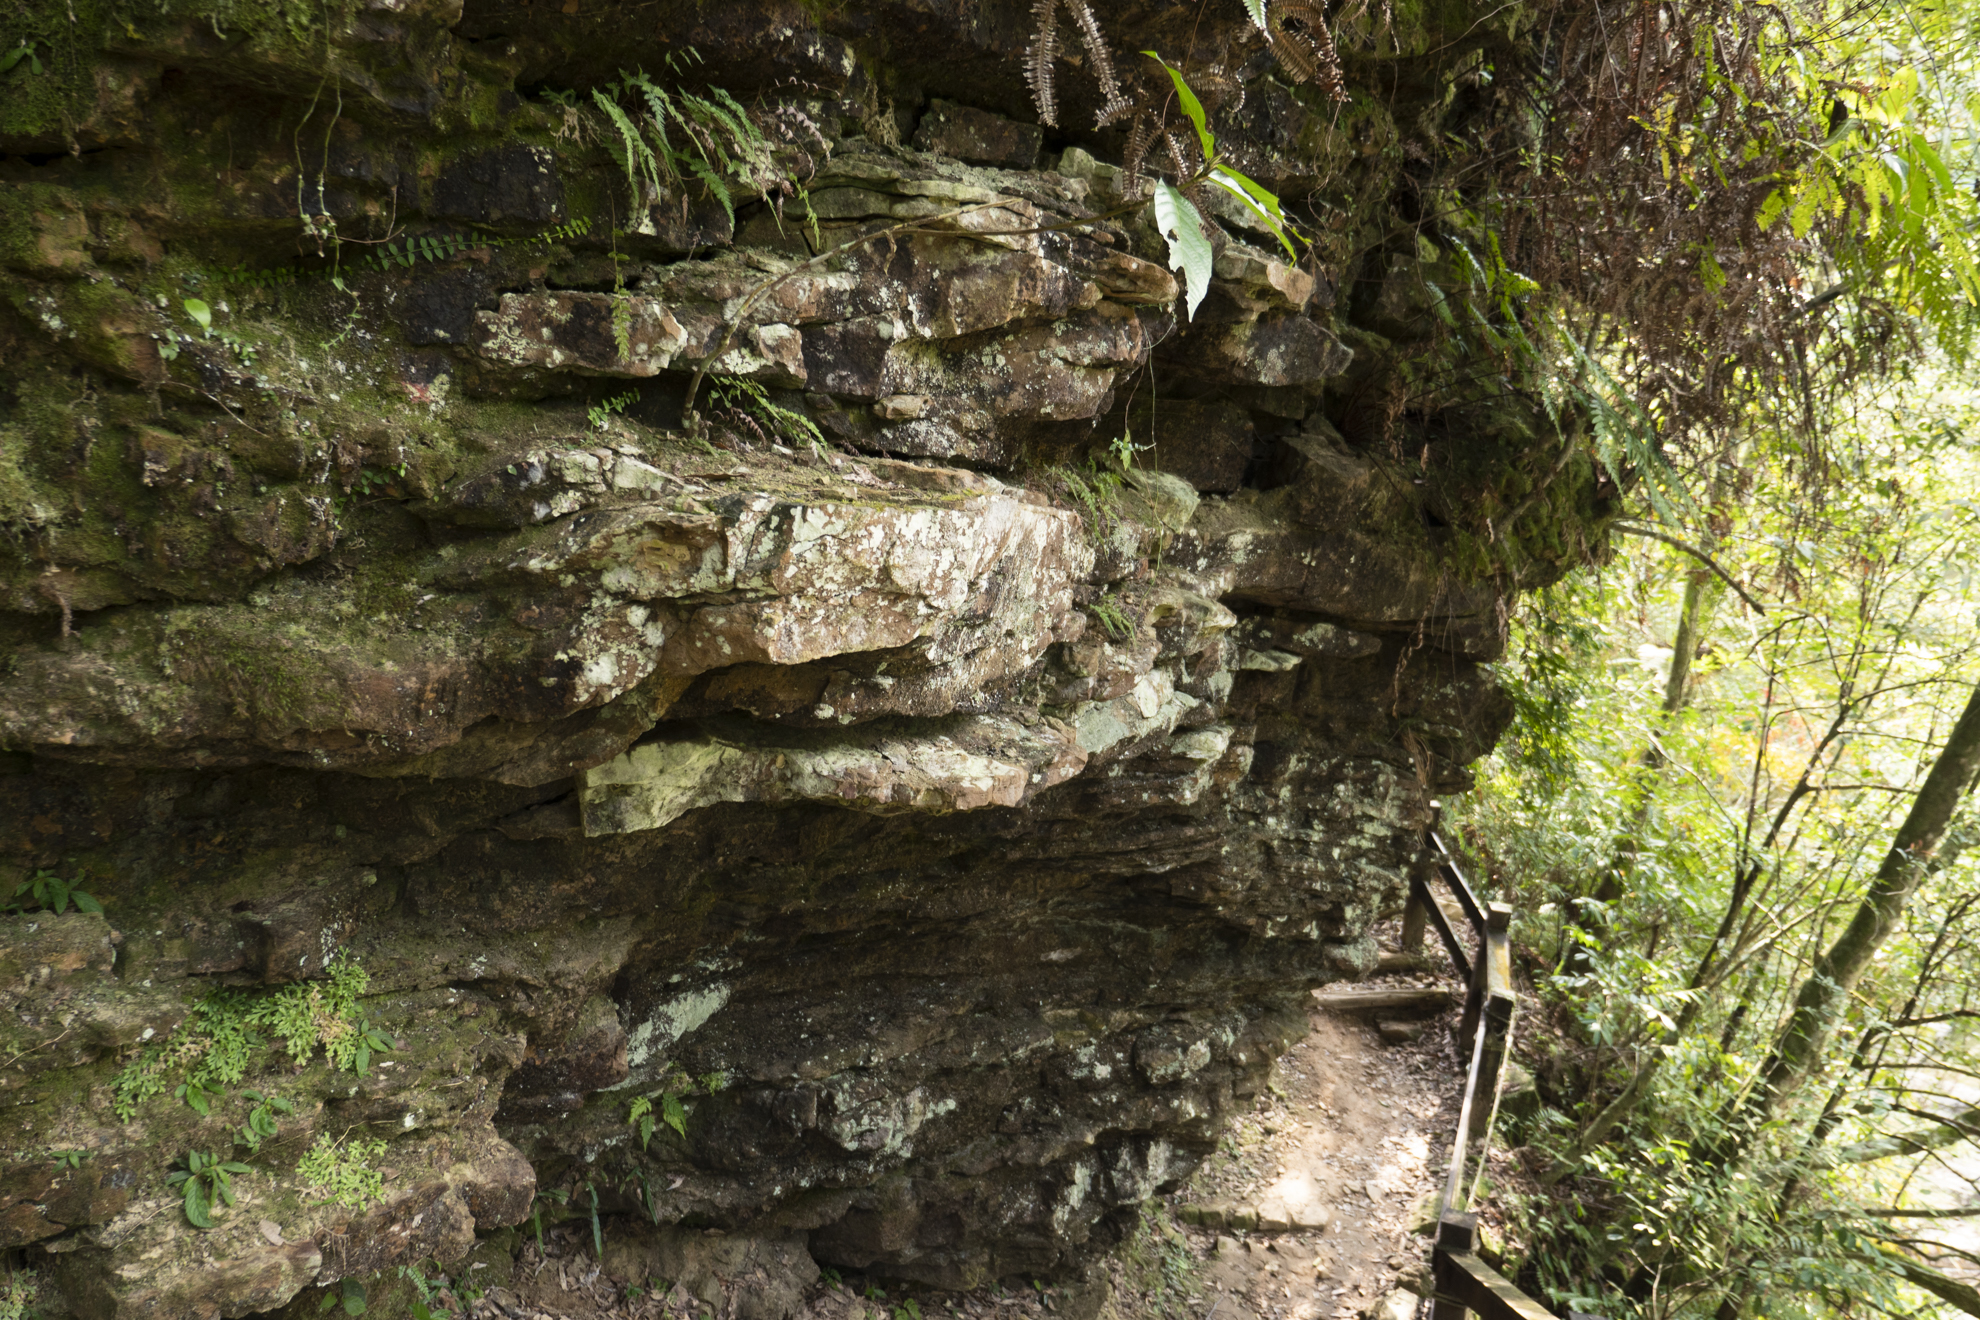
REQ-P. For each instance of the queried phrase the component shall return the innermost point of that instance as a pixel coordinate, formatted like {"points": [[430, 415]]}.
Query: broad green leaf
{"points": [[1263, 204], [1190, 106], [85, 902], [200, 313], [1189, 251], [197, 1204], [671, 1111]]}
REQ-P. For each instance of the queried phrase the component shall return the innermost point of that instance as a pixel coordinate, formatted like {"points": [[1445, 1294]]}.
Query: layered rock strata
{"points": [[934, 819]]}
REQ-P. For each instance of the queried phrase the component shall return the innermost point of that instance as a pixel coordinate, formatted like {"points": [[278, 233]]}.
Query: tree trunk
{"points": [[1838, 970]]}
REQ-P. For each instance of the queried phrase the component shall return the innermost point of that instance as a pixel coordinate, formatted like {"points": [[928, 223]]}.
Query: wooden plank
{"points": [[1494, 1035], [1407, 964], [1471, 1283], [1494, 971], [1498, 948], [1433, 1000], [1443, 925], [1456, 1195], [1460, 889], [1457, 1232]]}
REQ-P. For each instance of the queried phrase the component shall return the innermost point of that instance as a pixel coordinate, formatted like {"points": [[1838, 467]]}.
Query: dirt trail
{"points": [[1312, 1200]]}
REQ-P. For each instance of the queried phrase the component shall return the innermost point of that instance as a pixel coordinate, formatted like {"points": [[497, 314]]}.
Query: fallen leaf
{"points": [[272, 1231]]}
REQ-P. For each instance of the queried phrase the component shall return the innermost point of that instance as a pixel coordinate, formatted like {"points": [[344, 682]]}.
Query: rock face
{"points": [[869, 817]]}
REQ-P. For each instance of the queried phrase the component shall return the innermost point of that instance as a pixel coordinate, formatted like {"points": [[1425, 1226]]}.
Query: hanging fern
{"points": [[1038, 59]]}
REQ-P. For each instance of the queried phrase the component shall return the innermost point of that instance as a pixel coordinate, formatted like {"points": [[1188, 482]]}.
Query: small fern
{"points": [[1297, 32], [406, 253], [666, 136], [749, 404], [1043, 53]]}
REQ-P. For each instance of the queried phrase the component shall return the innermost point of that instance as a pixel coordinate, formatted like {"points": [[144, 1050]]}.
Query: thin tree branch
{"points": [[1692, 550]]}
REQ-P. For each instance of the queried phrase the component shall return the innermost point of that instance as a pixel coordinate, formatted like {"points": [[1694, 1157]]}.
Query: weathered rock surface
{"points": [[941, 821]]}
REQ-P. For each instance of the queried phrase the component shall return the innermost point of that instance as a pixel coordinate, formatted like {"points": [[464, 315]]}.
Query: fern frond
{"points": [[639, 156], [1038, 60], [1184, 156], [658, 107], [707, 174], [1297, 32], [1113, 105], [1141, 136]]}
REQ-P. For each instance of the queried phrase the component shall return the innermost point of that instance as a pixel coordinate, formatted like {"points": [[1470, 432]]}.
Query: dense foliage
{"points": [[1700, 789]]}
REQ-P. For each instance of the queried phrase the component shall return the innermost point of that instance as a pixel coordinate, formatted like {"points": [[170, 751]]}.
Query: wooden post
{"points": [[1457, 1233], [1414, 917], [1415, 920]]}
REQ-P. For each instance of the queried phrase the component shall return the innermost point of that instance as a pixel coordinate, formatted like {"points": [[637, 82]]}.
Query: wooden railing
{"points": [[1464, 1281]]}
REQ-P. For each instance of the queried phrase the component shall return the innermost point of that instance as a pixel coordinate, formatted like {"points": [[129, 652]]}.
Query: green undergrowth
{"points": [[216, 1044]]}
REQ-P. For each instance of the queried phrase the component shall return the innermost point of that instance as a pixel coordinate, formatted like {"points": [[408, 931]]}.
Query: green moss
{"points": [[42, 107]]}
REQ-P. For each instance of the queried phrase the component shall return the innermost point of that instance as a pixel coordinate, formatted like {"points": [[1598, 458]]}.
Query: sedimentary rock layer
{"points": [[928, 779]]}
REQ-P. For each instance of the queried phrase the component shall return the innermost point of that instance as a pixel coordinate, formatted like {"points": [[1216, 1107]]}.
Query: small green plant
{"points": [[1123, 448], [597, 1228], [18, 1295], [557, 1194], [621, 318], [831, 1276], [197, 1097], [1098, 494], [206, 1179], [909, 1309], [875, 1293], [47, 892], [748, 405], [641, 1120], [1119, 623], [377, 480], [261, 1125], [1181, 224], [435, 1296], [349, 1294], [341, 1167], [404, 252], [68, 1159], [664, 136], [600, 414], [12, 60], [213, 1048]]}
